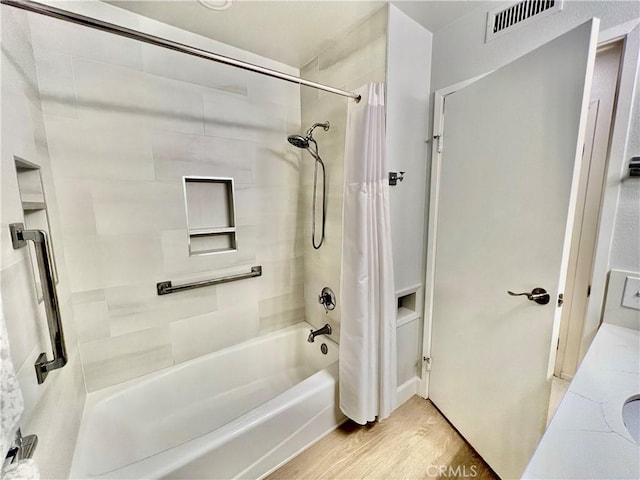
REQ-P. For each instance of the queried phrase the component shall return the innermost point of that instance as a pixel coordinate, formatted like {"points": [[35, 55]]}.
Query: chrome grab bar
{"points": [[19, 238], [165, 288], [23, 448]]}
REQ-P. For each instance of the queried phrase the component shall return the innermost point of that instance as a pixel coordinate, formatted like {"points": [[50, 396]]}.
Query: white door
{"points": [[512, 144]]}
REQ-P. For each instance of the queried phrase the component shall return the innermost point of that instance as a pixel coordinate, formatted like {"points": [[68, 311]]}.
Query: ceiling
{"points": [[435, 14], [292, 32]]}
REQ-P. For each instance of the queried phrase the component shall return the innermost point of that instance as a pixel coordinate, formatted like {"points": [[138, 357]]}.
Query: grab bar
{"points": [[19, 237], [23, 448], [165, 288]]}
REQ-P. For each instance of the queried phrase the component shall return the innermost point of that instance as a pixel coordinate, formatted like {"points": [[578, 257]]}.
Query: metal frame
{"points": [[165, 288], [78, 19], [19, 238]]}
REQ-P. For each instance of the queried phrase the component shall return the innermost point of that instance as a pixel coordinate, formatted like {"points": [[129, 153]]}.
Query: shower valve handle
{"points": [[327, 299]]}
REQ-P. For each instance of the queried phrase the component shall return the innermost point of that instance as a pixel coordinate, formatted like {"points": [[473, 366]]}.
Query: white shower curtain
{"points": [[367, 330]]}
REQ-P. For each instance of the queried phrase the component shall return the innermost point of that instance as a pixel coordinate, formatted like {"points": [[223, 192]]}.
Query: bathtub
{"points": [[237, 413]]}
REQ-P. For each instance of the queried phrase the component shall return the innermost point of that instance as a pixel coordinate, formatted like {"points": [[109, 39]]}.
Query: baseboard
{"points": [[407, 390]]}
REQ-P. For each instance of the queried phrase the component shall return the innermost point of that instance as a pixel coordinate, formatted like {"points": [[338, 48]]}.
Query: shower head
{"points": [[298, 141], [303, 142]]}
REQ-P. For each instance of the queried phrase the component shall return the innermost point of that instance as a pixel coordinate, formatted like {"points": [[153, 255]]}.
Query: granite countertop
{"points": [[587, 437]]}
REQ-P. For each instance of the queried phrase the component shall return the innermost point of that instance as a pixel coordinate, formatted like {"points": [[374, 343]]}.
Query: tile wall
{"points": [[53, 409], [125, 122], [353, 60]]}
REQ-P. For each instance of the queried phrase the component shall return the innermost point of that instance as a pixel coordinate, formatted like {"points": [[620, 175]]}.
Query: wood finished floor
{"points": [[415, 442]]}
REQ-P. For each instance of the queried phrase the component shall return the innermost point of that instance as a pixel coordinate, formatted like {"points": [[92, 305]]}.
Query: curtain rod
{"points": [[67, 16]]}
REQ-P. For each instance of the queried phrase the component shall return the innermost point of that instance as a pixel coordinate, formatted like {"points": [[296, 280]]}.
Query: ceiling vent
{"points": [[502, 20]]}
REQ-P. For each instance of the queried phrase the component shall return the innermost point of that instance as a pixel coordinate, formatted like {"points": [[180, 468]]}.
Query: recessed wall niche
{"points": [[407, 310], [210, 207], [36, 217]]}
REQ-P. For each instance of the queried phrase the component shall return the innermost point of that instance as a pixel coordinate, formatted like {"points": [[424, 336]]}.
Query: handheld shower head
{"points": [[298, 141], [305, 143]]}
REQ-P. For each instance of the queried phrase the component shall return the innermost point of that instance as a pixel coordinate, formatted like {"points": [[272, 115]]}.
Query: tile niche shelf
{"points": [[29, 185], [210, 209], [34, 208]]}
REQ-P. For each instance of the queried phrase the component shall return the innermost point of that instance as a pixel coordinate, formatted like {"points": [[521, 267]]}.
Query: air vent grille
{"points": [[504, 20]]}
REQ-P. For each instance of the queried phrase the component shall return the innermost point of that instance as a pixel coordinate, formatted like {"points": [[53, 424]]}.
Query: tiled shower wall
{"points": [[23, 135], [125, 122], [353, 60]]}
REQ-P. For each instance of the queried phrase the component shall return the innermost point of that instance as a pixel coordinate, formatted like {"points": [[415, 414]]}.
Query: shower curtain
{"points": [[367, 331]]}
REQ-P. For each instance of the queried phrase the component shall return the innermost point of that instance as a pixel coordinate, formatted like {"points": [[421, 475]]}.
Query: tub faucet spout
{"points": [[326, 330]]}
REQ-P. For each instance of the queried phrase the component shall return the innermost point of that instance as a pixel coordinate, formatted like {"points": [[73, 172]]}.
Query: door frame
{"points": [[616, 171], [629, 33], [571, 327], [432, 225]]}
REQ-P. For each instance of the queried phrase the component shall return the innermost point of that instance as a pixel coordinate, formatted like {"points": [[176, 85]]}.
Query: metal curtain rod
{"points": [[67, 16]]}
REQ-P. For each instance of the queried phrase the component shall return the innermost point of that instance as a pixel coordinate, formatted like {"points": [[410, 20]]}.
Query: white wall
{"points": [[408, 75], [459, 53], [125, 121], [53, 409]]}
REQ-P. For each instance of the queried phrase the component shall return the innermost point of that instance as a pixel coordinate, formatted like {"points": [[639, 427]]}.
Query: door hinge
{"points": [[438, 138], [427, 363], [560, 299], [588, 291]]}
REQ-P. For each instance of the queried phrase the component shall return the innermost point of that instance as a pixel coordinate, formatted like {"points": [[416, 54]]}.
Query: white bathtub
{"points": [[237, 413]]}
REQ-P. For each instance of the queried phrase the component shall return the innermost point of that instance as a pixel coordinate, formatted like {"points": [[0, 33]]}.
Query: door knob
{"points": [[538, 295]]}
